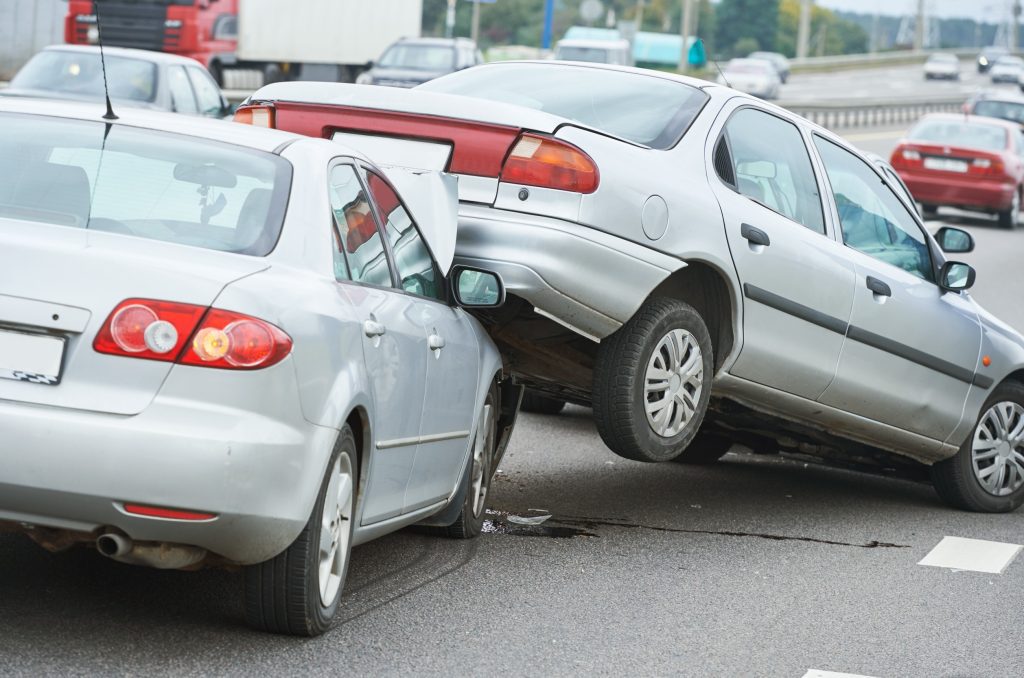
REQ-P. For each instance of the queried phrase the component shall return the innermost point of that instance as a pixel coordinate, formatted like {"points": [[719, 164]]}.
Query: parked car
{"points": [[615, 52], [988, 56], [413, 61], [779, 61], [227, 345], [673, 257], [964, 161], [753, 76], [942, 66], [1007, 69], [137, 79], [1005, 105]]}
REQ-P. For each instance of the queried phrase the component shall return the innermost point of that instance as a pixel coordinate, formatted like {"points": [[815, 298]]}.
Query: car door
{"points": [[449, 348], [393, 345], [911, 349], [797, 281]]}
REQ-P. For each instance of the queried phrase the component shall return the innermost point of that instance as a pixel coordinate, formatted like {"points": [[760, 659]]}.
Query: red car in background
{"points": [[964, 161]]}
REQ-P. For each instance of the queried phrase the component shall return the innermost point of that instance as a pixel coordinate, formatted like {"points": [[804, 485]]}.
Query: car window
{"points": [[416, 268], [207, 92], [1007, 110], [358, 247], [872, 218], [418, 57], [772, 166], [959, 132], [182, 98], [81, 74]]}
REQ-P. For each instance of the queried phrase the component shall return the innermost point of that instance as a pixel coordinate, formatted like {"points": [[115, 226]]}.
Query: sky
{"points": [[992, 11]]}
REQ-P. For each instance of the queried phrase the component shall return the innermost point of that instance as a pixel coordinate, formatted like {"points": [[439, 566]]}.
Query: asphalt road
{"points": [[757, 566]]}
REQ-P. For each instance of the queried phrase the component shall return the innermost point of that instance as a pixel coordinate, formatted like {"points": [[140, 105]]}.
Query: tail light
{"points": [[191, 335], [910, 154], [259, 115], [550, 163]]}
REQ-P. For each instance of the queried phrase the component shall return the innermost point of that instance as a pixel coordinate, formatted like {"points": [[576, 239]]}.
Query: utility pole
{"points": [[874, 34], [475, 30], [686, 29], [639, 15], [919, 27], [449, 20], [549, 20], [804, 34], [1015, 27]]}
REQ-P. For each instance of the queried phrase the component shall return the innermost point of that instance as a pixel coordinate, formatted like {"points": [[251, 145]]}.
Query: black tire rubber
{"points": [[929, 210], [954, 478], [705, 448], [1007, 219], [539, 403], [618, 389], [282, 595], [468, 525]]}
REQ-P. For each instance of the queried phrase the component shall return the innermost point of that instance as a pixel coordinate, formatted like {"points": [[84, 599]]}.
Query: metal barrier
{"points": [[872, 114]]}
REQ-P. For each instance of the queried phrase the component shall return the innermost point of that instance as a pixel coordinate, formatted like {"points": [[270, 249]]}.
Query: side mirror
{"points": [[956, 276], [476, 288], [954, 240]]}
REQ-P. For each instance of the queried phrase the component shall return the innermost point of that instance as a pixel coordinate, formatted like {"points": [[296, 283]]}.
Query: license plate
{"points": [[35, 358], [945, 164]]}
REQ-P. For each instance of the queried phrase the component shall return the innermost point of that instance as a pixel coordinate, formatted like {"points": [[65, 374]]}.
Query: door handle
{"points": [[878, 287], [373, 329], [755, 235], [435, 342]]}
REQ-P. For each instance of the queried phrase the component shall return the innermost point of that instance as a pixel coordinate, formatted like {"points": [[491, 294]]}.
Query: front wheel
{"points": [[652, 382], [1008, 218], [987, 474], [471, 519], [298, 591]]}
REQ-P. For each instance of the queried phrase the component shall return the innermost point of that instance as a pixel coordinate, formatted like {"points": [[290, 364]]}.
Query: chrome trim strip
{"points": [[432, 438]]}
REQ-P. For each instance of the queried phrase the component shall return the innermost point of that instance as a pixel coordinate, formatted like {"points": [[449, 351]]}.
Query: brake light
{"points": [[168, 513], [550, 163], [259, 115], [191, 335], [911, 154]]}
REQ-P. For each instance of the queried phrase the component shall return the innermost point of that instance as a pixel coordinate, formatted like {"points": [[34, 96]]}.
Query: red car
{"points": [[964, 161]]}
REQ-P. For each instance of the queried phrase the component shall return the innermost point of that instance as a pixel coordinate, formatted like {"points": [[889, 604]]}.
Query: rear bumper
{"points": [[959, 191], [586, 279], [74, 470]]}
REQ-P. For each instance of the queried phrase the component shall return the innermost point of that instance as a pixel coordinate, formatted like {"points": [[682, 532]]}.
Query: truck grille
{"points": [[137, 25]]}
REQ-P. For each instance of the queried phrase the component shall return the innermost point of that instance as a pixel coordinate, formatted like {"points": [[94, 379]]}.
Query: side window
{"points": [[181, 92], [771, 166], [416, 267], [207, 91], [358, 247], [872, 218], [226, 27]]}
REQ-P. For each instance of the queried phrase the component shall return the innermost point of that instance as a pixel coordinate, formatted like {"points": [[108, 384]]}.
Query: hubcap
{"points": [[482, 445], [674, 381], [335, 530], [997, 452]]}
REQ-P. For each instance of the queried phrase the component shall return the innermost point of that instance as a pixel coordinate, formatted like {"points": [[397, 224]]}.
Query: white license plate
{"points": [[34, 358], [945, 164]]}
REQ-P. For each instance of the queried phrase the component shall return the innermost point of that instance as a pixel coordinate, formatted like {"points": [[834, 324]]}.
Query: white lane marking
{"points": [[976, 555], [818, 673]]}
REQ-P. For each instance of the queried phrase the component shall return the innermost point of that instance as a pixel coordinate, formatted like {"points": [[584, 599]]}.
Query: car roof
{"points": [[973, 119], [442, 42], [126, 52]]}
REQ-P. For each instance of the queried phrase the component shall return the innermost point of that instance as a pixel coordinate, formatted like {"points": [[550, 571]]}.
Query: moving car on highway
{"points": [[699, 265], [615, 52], [964, 161], [1007, 69], [227, 345], [942, 66], [138, 79], [988, 56], [753, 76], [1005, 105], [414, 61], [779, 61]]}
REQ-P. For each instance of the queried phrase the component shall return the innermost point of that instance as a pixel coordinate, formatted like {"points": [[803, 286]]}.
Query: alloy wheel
{"points": [[482, 445], [335, 531]]}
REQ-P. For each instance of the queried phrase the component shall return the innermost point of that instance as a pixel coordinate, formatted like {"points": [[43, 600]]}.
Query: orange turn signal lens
{"points": [[257, 116]]}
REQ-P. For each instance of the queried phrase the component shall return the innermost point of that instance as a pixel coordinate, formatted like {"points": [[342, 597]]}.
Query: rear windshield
{"points": [[644, 109], [142, 183], [419, 57], [81, 74], [1007, 110], [959, 133]]}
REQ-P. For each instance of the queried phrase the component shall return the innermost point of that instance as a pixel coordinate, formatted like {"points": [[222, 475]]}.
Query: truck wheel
{"points": [[705, 448], [987, 473], [652, 382], [539, 403], [298, 591]]}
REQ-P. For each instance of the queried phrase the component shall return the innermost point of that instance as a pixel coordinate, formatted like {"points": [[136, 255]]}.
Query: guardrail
{"points": [[876, 59], [845, 115]]}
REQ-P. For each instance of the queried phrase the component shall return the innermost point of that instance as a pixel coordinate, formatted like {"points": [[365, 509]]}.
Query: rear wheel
{"points": [[652, 382], [298, 591], [705, 448], [539, 403], [1008, 218], [987, 474], [929, 210]]}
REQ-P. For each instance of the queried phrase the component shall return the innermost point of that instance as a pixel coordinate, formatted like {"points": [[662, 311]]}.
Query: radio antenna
{"points": [[109, 115]]}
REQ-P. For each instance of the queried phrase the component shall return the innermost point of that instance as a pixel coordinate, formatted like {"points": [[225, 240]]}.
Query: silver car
{"points": [[227, 345], [673, 248]]}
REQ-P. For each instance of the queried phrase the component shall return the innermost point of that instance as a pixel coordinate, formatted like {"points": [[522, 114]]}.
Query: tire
{"points": [[705, 448], [1008, 218], [620, 391], [929, 210], [538, 403], [471, 519], [958, 479], [287, 594]]}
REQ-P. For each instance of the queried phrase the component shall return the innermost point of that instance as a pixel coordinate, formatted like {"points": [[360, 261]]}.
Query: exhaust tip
{"points": [[113, 545]]}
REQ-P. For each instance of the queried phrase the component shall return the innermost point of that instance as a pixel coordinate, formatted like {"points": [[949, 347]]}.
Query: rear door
{"points": [[797, 280]]}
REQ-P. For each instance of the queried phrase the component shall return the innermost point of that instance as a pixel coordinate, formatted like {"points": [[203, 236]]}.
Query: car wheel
{"points": [[471, 518], [929, 210], [652, 382], [298, 591], [538, 403], [987, 474], [705, 448], [1008, 218]]}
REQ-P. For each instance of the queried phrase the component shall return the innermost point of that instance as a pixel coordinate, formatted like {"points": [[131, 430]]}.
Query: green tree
{"points": [[754, 19]]}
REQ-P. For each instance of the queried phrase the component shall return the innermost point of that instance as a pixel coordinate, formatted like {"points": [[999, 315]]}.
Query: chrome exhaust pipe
{"points": [[160, 555], [113, 545]]}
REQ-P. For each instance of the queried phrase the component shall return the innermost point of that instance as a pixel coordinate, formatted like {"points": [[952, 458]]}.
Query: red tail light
{"points": [[550, 163], [168, 513], [259, 115], [191, 335]]}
